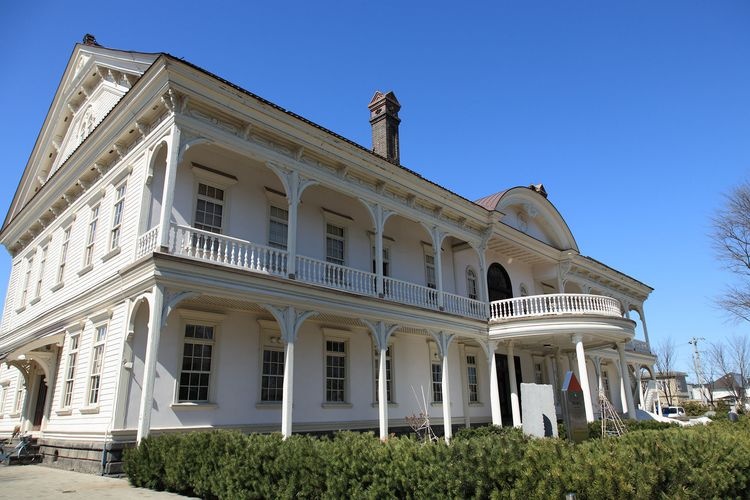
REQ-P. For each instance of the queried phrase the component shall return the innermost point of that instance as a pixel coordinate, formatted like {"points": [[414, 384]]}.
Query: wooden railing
{"points": [[205, 245], [330, 275], [554, 305], [202, 245], [147, 242]]}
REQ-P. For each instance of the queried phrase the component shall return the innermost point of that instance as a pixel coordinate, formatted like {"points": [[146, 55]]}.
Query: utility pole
{"points": [[697, 365]]}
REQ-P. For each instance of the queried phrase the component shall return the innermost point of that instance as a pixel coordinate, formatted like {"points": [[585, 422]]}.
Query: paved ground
{"points": [[40, 482]]}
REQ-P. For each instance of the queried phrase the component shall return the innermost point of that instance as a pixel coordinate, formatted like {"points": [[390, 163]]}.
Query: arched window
{"points": [[471, 284], [498, 283]]}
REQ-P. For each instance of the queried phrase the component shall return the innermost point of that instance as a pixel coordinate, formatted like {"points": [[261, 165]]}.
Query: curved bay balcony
{"points": [[552, 319]]}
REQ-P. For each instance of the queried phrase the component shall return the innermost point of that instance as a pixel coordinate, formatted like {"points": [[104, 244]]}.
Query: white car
{"points": [[673, 411]]}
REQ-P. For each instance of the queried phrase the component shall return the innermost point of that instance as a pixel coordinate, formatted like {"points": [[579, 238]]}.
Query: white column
{"points": [[381, 332], [560, 374], [514, 403], [640, 387], [483, 292], [289, 320], [643, 322], [584, 377], [379, 260], [464, 384], [497, 418], [291, 237], [626, 381], [167, 197], [437, 240], [288, 390], [443, 341], [623, 397], [149, 369], [445, 382], [552, 376]]}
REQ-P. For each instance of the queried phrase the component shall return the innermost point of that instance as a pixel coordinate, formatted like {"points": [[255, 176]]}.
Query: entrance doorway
{"points": [[41, 397], [498, 283], [503, 385]]}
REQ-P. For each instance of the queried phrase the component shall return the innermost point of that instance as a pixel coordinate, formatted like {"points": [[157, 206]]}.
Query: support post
{"points": [[290, 320], [626, 381], [514, 402], [497, 417], [464, 384], [149, 369], [167, 197], [443, 341], [584, 377], [381, 332]]}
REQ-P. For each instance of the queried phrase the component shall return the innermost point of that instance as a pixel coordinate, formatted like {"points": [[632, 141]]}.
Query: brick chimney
{"points": [[384, 120]]}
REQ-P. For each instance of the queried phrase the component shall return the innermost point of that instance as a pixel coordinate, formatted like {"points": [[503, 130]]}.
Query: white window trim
{"points": [[216, 179], [470, 269], [62, 264], [435, 360], [343, 239], [23, 300], [43, 258], [270, 218], [270, 339], [214, 320], [90, 407], [112, 248], [19, 395], [77, 332], [393, 403], [472, 352], [429, 251], [4, 385], [336, 335], [89, 246]]}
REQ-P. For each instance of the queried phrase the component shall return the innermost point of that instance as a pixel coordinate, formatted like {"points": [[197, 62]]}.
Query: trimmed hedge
{"points": [[699, 462]]}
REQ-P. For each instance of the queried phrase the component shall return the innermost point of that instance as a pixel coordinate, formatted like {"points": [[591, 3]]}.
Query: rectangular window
{"points": [[42, 263], [278, 228], [196, 363], [97, 361], [20, 396], [388, 374], [209, 208], [335, 371], [335, 244], [114, 236], [91, 239], [3, 395], [471, 377], [437, 382], [27, 280], [63, 254], [471, 284], [429, 270], [70, 371], [272, 377]]}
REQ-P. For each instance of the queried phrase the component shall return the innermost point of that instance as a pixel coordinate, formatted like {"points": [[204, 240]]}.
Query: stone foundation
{"points": [[83, 457]]}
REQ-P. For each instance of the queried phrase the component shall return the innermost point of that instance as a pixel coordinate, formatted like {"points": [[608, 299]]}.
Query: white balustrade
{"points": [[205, 245], [554, 304], [410, 293], [327, 274], [464, 306], [636, 345], [147, 242]]}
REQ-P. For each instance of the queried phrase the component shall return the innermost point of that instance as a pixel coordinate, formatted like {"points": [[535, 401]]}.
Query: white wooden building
{"points": [[187, 255]]}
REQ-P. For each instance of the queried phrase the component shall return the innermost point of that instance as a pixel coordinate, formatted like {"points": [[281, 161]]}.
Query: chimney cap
{"points": [[380, 96]]}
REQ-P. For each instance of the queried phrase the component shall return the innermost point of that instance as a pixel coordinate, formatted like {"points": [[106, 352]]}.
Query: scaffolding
{"points": [[611, 422]]}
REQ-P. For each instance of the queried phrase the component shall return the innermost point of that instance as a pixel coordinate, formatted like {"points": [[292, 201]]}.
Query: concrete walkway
{"points": [[40, 482]]}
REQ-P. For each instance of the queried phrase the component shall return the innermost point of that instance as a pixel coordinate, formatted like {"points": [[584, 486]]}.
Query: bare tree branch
{"points": [[665, 359], [731, 241]]}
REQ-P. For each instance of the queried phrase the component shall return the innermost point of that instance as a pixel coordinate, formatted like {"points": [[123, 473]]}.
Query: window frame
{"points": [[273, 219], [470, 355], [64, 248], [90, 245], [270, 340], [40, 272], [342, 337], [73, 348], [472, 282], [337, 238], [118, 214], [29, 260], [200, 319], [97, 343], [430, 269]]}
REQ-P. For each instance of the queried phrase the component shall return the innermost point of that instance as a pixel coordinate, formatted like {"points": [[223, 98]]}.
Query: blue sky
{"points": [[635, 115]]}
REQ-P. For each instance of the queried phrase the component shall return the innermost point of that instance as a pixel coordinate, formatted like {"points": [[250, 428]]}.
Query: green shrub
{"points": [[651, 460]]}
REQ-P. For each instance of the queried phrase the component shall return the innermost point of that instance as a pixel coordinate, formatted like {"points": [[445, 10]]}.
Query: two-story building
{"points": [[187, 255]]}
